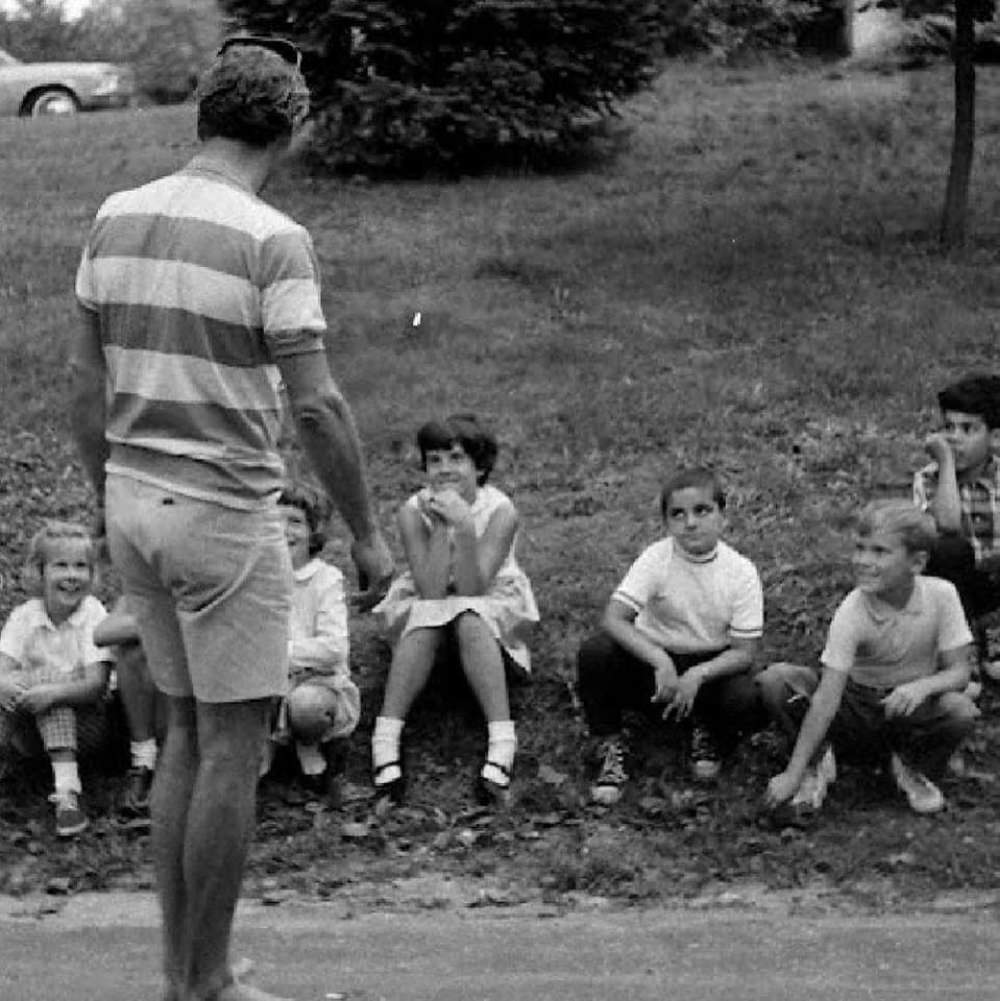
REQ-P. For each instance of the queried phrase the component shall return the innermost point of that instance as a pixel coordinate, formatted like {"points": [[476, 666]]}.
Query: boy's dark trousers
{"points": [[861, 732], [612, 680]]}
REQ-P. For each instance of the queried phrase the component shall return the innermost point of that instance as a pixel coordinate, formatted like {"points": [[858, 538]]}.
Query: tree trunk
{"points": [[957, 195]]}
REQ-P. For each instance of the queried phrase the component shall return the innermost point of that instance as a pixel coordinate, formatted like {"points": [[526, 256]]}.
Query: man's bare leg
{"points": [[220, 822], [169, 802]]}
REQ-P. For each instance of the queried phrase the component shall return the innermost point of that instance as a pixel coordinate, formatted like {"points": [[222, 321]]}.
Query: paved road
{"points": [[105, 947]]}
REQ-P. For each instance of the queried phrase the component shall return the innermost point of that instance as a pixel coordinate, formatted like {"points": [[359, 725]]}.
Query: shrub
{"points": [[729, 28], [460, 85]]}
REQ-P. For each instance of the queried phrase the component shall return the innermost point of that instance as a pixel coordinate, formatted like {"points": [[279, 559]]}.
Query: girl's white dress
{"points": [[508, 608]]}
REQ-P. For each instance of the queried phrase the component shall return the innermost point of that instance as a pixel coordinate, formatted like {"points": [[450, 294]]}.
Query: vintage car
{"points": [[61, 88]]}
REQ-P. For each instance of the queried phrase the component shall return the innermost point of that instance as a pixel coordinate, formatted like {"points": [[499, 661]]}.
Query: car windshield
{"points": [[6, 59]]}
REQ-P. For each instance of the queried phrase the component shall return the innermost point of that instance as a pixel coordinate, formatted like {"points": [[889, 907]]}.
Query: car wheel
{"points": [[53, 102]]}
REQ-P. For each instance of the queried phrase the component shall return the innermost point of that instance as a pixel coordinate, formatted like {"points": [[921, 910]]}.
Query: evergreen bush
{"points": [[460, 85]]}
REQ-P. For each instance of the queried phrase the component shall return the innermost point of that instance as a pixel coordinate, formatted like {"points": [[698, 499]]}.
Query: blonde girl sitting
{"points": [[52, 676], [463, 591]]}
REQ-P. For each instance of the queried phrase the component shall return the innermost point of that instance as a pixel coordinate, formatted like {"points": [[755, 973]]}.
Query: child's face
{"points": [[694, 520], [968, 437], [452, 468], [883, 566], [296, 534], [67, 576]]}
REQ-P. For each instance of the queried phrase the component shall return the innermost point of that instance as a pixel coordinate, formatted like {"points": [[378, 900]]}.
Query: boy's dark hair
{"points": [[698, 478], [974, 394], [464, 429], [316, 507], [252, 95], [915, 528]]}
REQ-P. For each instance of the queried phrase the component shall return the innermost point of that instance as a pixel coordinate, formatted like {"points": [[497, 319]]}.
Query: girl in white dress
{"points": [[463, 585]]}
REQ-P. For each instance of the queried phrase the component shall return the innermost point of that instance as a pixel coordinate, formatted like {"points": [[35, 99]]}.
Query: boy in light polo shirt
{"points": [[679, 636], [896, 661]]}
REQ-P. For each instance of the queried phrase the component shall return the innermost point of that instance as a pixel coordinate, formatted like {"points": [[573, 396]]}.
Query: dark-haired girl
{"points": [[464, 588]]}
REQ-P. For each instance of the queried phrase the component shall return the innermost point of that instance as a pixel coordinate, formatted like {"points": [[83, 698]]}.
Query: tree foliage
{"points": [[166, 42], [403, 87]]}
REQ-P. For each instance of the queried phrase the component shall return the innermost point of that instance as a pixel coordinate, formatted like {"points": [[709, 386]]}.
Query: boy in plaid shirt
{"points": [[52, 676], [960, 489]]}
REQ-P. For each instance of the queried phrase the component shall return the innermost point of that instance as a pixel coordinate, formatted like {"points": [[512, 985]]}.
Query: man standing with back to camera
{"points": [[197, 299]]}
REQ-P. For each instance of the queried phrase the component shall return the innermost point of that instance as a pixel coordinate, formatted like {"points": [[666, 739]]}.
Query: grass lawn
{"points": [[753, 284]]}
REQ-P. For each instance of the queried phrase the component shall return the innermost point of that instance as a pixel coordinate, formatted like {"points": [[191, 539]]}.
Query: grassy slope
{"points": [[753, 284]]}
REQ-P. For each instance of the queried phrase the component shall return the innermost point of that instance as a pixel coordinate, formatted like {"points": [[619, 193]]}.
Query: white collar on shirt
{"points": [[308, 570], [40, 616]]}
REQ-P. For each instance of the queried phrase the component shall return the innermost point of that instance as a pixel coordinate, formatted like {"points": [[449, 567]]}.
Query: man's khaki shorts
{"points": [[211, 589]]}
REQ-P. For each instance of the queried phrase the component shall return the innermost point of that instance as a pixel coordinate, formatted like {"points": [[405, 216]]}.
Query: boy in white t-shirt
{"points": [[897, 658], [680, 634]]}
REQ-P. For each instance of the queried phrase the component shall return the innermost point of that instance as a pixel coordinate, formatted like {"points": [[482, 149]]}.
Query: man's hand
{"points": [[665, 680], [904, 699], [938, 448], [781, 788], [36, 700], [684, 695], [375, 567]]}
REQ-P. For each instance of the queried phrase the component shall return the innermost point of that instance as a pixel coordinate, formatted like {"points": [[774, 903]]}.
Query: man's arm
{"points": [[328, 434], [88, 399]]}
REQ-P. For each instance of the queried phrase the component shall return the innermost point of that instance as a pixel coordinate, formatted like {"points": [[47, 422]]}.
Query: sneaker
{"points": [[922, 794], [611, 776], [135, 799], [812, 790], [704, 755], [70, 819]]}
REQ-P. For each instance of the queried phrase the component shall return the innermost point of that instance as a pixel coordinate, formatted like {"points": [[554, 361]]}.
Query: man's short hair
{"points": [[252, 95], [698, 478], [974, 394], [915, 528]]}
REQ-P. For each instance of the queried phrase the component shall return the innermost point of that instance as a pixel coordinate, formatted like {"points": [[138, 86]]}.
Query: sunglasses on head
{"points": [[280, 46]]}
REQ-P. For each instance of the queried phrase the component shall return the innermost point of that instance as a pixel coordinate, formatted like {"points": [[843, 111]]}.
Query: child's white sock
{"points": [[66, 777], [143, 753], [500, 752], [311, 759], [385, 749]]}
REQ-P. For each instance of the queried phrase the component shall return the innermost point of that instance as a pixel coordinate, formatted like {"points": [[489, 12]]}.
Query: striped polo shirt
{"points": [[199, 287]]}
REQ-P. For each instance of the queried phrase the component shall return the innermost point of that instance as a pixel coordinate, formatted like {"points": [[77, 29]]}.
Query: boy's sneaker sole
{"points": [[605, 795], [922, 794]]}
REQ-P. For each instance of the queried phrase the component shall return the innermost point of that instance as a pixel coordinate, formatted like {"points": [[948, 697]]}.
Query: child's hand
{"points": [[904, 699], [665, 680], [684, 695], [10, 692], [781, 788], [36, 700], [938, 448], [448, 506]]}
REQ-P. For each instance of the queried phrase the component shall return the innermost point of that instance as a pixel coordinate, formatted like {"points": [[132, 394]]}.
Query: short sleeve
{"points": [[291, 312], [841, 639], [954, 629], [639, 584], [14, 634], [748, 605]]}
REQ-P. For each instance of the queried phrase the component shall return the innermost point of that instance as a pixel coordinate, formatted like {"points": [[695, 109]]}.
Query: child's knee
{"points": [[960, 711], [781, 681], [312, 713], [594, 656]]}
